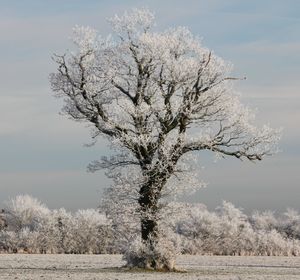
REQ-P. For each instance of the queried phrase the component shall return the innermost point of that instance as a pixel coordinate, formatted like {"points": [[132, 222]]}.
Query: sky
{"points": [[43, 153]]}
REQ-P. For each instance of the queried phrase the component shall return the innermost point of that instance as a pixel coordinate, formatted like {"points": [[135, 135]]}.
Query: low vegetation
{"points": [[26, 225]]}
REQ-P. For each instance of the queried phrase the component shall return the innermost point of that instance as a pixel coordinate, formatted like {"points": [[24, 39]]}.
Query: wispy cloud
{"points": [[270, 48]]}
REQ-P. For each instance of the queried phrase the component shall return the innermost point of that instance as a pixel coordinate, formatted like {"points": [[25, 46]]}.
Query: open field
{"points": [[109, 267]]}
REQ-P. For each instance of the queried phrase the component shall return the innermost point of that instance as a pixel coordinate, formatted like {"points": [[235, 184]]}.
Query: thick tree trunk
{"points": [[148, 201], [148, 229], [153, 256]]}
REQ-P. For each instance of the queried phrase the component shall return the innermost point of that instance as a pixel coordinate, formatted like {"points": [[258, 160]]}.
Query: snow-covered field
{"points": [[109, 267]]}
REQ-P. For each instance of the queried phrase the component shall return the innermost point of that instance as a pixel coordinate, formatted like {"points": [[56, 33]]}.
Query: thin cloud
{"points": [[270, 48]]}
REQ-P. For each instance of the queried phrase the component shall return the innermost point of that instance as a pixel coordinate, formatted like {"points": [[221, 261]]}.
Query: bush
{"points": [[186, 228]]}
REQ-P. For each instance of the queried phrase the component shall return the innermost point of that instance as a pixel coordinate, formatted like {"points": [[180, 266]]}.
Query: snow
{"points": [[109, 267]]}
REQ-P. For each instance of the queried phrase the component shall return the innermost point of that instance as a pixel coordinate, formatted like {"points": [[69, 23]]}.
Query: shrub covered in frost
{"points": [[33, 228], [29, 226]]}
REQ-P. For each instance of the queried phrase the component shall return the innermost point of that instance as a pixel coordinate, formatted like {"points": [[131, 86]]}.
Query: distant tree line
{"points": [[28, 226]]}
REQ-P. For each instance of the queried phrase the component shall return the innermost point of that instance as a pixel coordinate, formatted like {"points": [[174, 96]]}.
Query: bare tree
{"points": [[158, 97]]}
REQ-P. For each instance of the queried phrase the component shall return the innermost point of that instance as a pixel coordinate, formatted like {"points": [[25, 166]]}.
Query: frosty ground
{"points": [[109, 267]]}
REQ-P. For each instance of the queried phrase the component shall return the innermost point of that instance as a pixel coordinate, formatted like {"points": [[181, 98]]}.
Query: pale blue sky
{"points": [[42, 153]]}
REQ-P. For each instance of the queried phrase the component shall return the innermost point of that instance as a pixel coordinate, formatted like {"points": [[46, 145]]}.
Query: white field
{"points": [[109, 267]]}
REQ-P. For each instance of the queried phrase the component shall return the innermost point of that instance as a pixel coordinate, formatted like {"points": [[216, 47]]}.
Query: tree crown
{"points": [[156, 95]]}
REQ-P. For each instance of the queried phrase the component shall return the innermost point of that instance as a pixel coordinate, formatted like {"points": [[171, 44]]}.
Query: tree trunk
{"points": [[153, 256], [148, 229], [148, 201]]}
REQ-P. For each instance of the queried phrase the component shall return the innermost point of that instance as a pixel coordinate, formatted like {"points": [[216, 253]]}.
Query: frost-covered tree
{"points": [[158, 97], [265, 221], [290, 224], [25, 211], [92, 232]]}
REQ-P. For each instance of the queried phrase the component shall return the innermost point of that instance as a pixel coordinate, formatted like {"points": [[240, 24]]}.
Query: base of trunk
{"points": [[146, 255], [151, 264]]}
